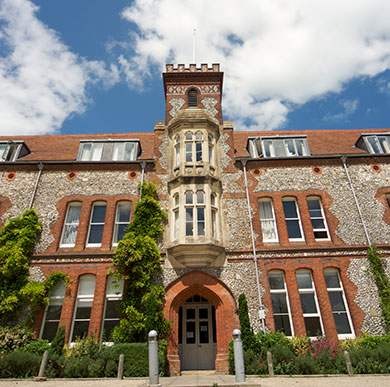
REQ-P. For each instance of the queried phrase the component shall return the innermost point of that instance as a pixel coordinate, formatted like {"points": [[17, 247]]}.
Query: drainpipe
{"points": [[344, 161], [40, 167], [143, 165], [261, 306]]}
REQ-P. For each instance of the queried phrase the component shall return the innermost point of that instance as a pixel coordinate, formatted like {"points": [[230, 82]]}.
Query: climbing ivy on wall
{"points": [[382, 282], [136, 260], [17, 240]]}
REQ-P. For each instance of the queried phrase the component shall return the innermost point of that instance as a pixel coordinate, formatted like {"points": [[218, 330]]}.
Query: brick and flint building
{"points": [[283, 217]]}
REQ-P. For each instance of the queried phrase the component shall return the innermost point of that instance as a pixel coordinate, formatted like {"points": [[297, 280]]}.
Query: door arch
{"points": [[226, 319]]}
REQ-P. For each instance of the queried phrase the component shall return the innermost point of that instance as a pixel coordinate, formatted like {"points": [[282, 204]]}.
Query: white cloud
{"points": [[349, 106], [276, 54], [41, 81]]}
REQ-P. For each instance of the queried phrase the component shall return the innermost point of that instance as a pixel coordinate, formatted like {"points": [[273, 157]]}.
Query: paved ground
{"points": [[210, 380]]}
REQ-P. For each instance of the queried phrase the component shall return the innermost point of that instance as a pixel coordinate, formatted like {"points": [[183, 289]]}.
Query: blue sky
{"points": [[91, 66]]}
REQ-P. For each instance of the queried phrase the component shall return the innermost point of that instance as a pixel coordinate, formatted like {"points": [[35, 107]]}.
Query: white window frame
{"points": [[95, 204], [111, 297], [382, 147], [294, 142], [298, 219], [68, 224], [51, 299], [255, 147], [79, 300], [311, 290], [129, 155], [285, 292], [118, 223], [93, 144], [104, 155], [264, 221], [322, 217], [11, 150], [340, 289]]}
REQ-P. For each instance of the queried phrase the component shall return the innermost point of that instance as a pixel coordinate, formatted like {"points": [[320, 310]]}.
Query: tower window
{"points": [[192, 98]]}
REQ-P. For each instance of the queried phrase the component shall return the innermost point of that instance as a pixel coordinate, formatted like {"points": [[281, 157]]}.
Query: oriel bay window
{"points": [[71, 225], [280, 302], [338, 303], [96, 224], [53, 311], [122, 220], [309, 303], [114, 294], [83, 307]]}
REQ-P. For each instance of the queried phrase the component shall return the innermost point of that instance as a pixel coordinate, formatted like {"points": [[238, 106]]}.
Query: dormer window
{"points": [[377, 143], [109, 150], [12, 150], [278, 147], [193, 98]]}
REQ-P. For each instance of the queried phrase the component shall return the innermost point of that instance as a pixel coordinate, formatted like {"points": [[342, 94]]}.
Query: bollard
{"points": [[270, 364], [238, 356], [120, 366], [348, 362], [42, 368], [153, 359]]}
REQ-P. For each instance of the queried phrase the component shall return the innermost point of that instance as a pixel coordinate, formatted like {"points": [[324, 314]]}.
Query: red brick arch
{"points": [[217, 293]]}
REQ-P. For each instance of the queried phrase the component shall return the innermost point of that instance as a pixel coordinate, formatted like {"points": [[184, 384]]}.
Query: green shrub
{"points": [[55, 366], [136, 358], [266, 341], [283, 358], [13, 338], [37, 346], [300, 344], [306, 365], [247, 335], [19, 364], [57, 345]]}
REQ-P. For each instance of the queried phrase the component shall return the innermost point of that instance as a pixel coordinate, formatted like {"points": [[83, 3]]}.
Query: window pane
{"points": [[112, 309], [320, 235], [190, 328], [290, 209], [293, 229], [265, 208], [73, 214], [308, 303], [86, 151], [130, 149], [87, 285], [50, 330], [290, 147], [200, 197], [188, 151], [342, 323], [268, 148], [97, 150], [304, 280], [282, 324], [190, 314], [336, 301], [84, 310], [318, 223], [118, 150], [203, 313], [96, 234], [201, 221], [124, 211], [203, 332], [331, 279], [108, 327], [58, 290], [313, 326], [279, 303], [114, 286], [80, 329], [189, 221], [54, 311], [300, 147], [99, 213], [276, 280], [70, 234], [189, 197], [374, 144]]}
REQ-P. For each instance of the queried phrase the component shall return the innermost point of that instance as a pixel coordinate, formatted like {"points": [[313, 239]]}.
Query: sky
{"points": [[94, 66]]}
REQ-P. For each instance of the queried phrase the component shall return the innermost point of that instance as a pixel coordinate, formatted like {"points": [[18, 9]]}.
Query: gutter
{"points": [[261, 306], [344, 161], [40, 167]]}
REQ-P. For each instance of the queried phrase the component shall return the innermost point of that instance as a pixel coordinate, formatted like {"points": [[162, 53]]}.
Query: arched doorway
{"points": [[217, 295], [197, 334]]}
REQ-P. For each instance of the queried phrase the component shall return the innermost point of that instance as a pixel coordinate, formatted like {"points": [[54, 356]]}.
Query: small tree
{"points": [[137, 259], [248, 337]]}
